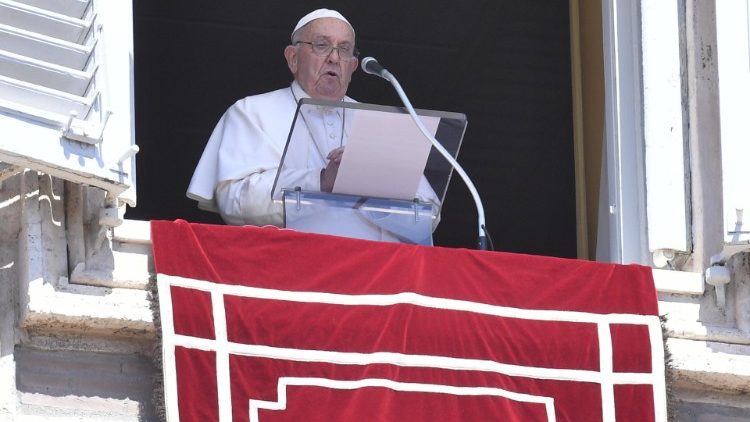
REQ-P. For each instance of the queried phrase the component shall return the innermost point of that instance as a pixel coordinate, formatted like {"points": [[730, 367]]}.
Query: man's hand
{"points": [[328, 174]]}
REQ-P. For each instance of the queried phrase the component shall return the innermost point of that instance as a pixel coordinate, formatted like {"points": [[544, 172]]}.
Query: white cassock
{"points": [[236, 173]]}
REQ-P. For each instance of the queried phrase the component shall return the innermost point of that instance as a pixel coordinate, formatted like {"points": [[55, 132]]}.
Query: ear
{"points": [[290, 53]]}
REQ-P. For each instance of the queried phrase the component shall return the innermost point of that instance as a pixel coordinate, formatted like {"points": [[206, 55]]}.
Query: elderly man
{"points": [[236, 173]]}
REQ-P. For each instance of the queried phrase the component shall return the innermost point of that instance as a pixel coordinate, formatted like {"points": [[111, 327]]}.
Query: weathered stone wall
{"points": [[76, 345], [10, 203]]}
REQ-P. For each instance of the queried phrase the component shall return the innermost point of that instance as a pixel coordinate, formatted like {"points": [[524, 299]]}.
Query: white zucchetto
{"points": [[318, 14]]}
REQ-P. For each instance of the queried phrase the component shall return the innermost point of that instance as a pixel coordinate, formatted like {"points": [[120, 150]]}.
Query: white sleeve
{"points": [[247, 160], [248, 200], [248, 142], [238, 147]]}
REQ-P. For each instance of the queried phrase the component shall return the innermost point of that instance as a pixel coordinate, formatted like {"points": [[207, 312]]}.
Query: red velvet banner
{"points": [[263, 324]]}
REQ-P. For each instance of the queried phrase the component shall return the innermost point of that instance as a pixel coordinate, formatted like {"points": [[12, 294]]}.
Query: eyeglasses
{"points": [[324, 48]]}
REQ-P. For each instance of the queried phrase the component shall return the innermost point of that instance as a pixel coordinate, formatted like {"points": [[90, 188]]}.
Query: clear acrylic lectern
{"points": [[391, 182]]}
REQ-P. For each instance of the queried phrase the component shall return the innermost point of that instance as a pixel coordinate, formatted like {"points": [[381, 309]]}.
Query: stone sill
{"points": [[679, 282], [683, 315], [86, 309], [710, 365], [133, 231]]}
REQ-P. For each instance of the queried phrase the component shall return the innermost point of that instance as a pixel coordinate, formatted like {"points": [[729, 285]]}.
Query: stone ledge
{"points": [[710, 365], [682, 322], [699, 332], [131, 270], [703, 397], [679, 282], [133, 231], [95, 310]]}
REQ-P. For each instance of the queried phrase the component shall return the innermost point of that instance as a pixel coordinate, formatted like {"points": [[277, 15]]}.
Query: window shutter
{"points": [[733, 37], [66, 102], [665, 145]]}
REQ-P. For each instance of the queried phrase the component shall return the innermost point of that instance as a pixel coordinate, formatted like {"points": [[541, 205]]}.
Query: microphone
{"points": [[371, 66]]}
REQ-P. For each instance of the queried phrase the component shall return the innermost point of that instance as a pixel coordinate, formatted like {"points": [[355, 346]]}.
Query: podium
{"points": [[391, 182]]}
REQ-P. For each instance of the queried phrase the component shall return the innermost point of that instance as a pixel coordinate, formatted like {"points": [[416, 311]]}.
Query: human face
{"points": [[322, 77]]}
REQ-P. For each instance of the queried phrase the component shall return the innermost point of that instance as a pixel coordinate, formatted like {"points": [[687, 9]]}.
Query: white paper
{"points": [[385, 155]]}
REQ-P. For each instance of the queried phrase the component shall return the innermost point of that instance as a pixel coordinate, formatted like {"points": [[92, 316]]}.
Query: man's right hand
{"points": [[328, 174]]}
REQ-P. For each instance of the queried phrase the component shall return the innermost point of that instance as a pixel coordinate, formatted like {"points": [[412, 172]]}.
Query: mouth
{"points": [[331, 73]]}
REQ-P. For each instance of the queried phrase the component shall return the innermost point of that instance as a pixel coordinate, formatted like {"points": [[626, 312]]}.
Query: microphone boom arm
{"points": [[482, 243]]}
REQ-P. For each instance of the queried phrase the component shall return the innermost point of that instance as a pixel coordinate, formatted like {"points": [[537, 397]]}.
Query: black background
{"points": [[504, 63]]}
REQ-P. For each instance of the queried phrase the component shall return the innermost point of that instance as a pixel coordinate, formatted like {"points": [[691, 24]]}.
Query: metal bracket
{"points": [[86, 133], [718, 275], [110, 216], [129, 153]]}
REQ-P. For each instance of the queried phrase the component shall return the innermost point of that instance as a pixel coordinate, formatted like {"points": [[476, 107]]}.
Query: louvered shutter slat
{"points": [[73, 8], [44, 98], [45, 74], [44, 48], [43, 22]]}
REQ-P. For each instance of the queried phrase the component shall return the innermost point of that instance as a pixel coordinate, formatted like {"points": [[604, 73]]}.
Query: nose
{"points": [[338, 56]]}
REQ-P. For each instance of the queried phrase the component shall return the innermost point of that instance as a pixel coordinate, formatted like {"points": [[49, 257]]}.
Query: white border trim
{"points": [[414, 361], [408, 298], [169, 366], [607, 375], [222, 357], [285, 382]]}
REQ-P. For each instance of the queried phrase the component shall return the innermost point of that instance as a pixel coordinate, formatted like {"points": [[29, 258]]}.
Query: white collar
{"points": [[300, 92]]}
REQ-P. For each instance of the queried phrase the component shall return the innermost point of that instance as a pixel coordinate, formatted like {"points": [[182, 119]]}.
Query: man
{"points": [[236, 173]]}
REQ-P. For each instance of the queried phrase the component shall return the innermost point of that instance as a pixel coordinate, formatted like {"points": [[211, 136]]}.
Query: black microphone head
{"points": [[371, 66]]}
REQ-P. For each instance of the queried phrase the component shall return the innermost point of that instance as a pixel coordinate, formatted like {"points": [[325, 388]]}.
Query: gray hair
{"points": [[300, 33]]}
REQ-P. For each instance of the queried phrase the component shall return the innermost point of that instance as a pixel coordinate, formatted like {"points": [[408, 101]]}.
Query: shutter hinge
{"points": [[117, 167], [86, 133]]}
